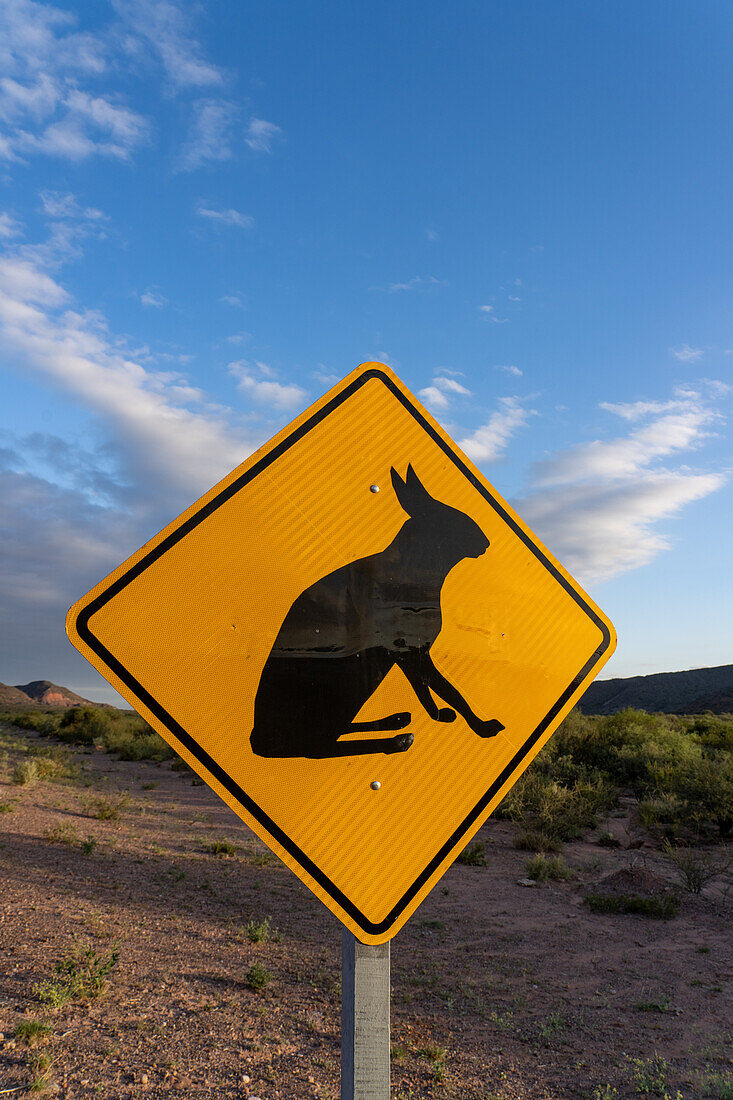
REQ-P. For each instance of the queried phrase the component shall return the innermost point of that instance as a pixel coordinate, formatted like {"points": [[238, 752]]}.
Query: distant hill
{"points": [[41, 693], [13, 697], [690, 692]]}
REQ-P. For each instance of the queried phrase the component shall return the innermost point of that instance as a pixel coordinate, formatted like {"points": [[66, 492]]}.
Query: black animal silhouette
{"points": [[343, 635]]}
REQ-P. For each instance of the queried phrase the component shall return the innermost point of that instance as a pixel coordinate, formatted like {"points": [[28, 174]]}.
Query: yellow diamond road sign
{"points": [[356, 642]]}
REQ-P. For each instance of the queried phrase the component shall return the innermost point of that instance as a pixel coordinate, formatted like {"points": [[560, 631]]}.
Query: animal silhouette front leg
{"points": [[438, 714], [446, 691]]}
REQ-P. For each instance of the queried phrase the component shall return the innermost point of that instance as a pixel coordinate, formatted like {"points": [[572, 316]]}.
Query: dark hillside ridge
{"points": [[690, 692]]}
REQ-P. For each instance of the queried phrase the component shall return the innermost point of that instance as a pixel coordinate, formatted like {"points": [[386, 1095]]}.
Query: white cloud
{"points": [[508, 368], [43, 103], [255, 380], [449, 385], [490, 315], [417, 282], [597, 504], [21, 283], [434, 397], [261, 135], [225, 217], [236, 300], [209, 135], [687, 354], [668, 430], [166, 28], [152, 298], [444, 385], [601, 529], [59, 204], [162, 446], [487, 442], [9, 227]]}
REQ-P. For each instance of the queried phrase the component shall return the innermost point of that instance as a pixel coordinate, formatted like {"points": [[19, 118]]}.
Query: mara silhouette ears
{"points": [[410, 491]]}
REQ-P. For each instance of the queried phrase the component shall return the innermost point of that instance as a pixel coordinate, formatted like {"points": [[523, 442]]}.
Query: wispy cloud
{"points": [[44, 106], [417, 282], [257, 381], [509, 368], [597, 505], [167, 29], [487, 443], [262, 134], [443, 387], [62, 204], [209, 138], [153, 299], [687, 354], [161, 444], [668, 428], [489, 314], [225, 217], [236, 300], [9, 227]]}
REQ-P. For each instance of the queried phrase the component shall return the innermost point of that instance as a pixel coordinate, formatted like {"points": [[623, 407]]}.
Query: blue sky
{"points": [[210, 212]]}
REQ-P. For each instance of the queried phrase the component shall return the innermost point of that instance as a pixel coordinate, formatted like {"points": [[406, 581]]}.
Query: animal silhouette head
{"points": [[458, 534]]}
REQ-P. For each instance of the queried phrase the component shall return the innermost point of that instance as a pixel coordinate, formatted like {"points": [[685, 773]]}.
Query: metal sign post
{"points": [[365, 988]]}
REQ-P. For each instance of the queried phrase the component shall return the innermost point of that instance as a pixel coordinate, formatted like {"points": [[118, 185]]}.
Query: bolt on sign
{"points": [[356, 642]]}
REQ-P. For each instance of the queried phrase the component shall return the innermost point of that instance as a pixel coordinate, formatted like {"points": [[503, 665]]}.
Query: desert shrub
{"points": [[664, 809], [106, 807], [705, 787], [62, 834], [534, 840], [680, 769], [25, 773], [84, 725], [650, 1075], [695, 869], [629, 748], [713, 731], [473, 855], [541, 868], [659, 907], [221, 847], [41, 722], [257, 977], [136, 741], [81, 974], [33, 1032], [260, 931], [539, 802]]}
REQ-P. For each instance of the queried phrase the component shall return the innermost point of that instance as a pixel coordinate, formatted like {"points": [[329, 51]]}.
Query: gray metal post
{"points": [[364, 1020]]}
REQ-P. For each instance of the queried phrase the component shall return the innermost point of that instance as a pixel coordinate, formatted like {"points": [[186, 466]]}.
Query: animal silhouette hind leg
{"points": [[388, 745], [391, 722]]}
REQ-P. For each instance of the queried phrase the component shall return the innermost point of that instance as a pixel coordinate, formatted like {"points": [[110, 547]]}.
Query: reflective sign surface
{"points": [[356, 642]]}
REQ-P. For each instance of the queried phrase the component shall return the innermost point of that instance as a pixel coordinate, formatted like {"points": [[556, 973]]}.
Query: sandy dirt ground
{"points": [[499, 990]]}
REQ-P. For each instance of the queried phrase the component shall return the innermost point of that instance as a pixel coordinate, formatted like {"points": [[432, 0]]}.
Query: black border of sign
{"points": [[84, 630]]}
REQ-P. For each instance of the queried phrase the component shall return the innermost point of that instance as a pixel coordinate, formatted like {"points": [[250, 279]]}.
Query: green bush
{"points": [[538, 802], [473, 855], [25, 773], [47, 724], [84, 725], [541, 868], [257, 977], [662, 907]]}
